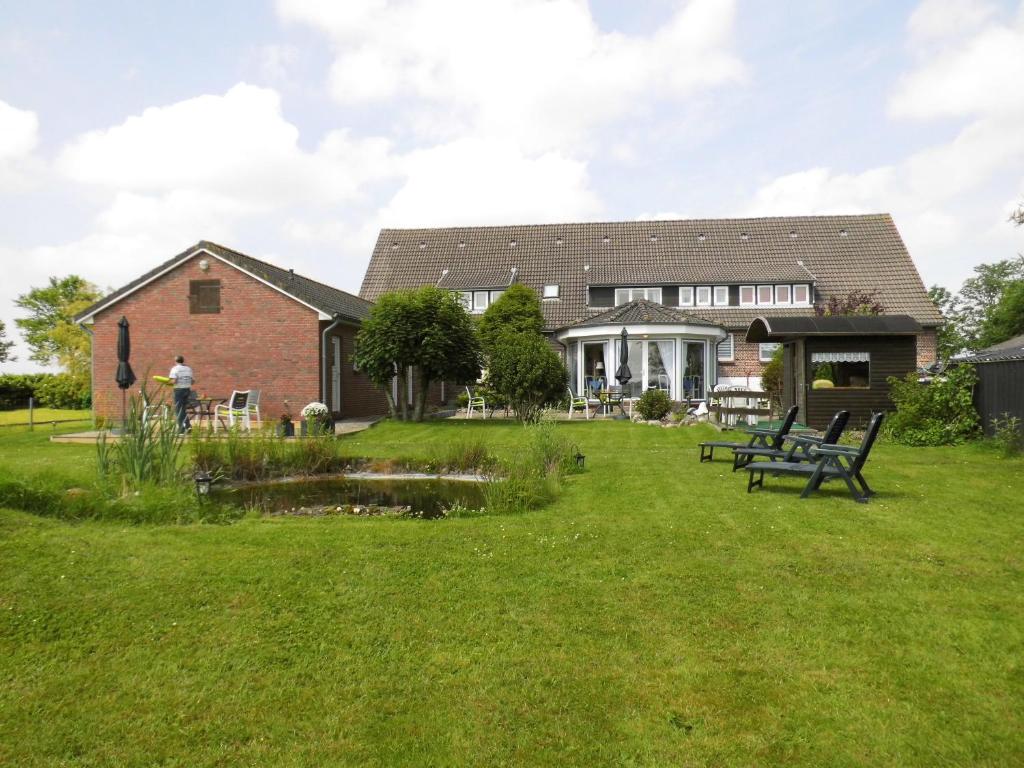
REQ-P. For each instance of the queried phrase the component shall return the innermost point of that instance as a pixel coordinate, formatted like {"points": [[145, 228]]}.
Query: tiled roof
{"points": [[323, 297], [843, 253], [1011, 349], [642, 311]]}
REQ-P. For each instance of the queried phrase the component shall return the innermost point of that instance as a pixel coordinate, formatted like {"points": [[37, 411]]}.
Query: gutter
{"points": [[92, 371], [325, 377]]}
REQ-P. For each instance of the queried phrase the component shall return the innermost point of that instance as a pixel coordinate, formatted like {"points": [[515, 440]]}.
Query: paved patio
{"points": [[342, 427]]}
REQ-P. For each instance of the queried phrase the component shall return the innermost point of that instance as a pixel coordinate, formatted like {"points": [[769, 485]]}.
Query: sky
{"points": [[293, 130]]}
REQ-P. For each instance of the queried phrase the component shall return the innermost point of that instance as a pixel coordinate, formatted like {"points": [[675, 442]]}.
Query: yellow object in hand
{"points": [[162, 379]]}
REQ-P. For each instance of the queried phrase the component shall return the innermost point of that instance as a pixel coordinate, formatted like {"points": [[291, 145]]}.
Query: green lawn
{"points": [[654, 615], [43, 414]]}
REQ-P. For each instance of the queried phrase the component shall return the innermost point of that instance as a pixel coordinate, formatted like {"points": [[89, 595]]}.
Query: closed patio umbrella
{"points": [[125, 376], [623, 374]]}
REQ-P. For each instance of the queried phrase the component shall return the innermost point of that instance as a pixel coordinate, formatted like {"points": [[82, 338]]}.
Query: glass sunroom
{"points": [[668, 350]]}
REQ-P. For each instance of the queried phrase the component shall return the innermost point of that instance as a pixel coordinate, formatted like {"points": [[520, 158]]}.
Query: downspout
{"points": [[325, 378], [92, 371]]}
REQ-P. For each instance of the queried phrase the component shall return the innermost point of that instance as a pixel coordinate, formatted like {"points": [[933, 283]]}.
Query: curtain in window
{"points": [[840, 357]]}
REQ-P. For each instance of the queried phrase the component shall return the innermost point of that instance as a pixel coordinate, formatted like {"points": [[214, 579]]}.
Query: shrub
{"points": [[16, 389], [937, 413], [654, 405], [525, 371], [1008, 435], [63, 390]]}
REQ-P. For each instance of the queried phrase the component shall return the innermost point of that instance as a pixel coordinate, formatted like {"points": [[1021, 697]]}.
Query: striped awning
{"points": [[840, 357]]}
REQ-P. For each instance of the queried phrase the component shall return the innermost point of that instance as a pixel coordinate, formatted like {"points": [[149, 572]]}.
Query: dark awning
{"points": [[782, 328]]}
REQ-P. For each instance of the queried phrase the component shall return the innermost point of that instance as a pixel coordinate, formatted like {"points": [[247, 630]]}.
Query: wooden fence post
{"points": [[31, 403]]}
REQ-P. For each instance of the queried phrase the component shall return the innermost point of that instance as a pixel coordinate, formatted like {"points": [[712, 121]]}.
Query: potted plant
{"points": [[316, 419], [286, 428]]}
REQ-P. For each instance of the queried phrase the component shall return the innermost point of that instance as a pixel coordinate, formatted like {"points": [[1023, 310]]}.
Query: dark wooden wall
{"points": [[1000, 390], [890, 356]]}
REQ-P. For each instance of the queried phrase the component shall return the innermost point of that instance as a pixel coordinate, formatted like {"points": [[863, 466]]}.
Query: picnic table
{"points": [[726, 410], [206, 409], [612, 398]]}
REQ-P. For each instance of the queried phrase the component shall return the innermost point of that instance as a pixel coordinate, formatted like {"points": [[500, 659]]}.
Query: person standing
{"points": [[181, 379]]}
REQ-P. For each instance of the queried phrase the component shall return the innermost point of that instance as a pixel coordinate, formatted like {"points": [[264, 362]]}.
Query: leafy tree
{"points": [[950, 338], [525, 371], [853, 303], [426, 331], [49, 329], [981, 294], [517, 311], [5, 346], [1006, 319], [771, 377], [940, 412]]}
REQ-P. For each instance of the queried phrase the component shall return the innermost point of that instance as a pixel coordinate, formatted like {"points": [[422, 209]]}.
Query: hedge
{"points": [[50, 390]]}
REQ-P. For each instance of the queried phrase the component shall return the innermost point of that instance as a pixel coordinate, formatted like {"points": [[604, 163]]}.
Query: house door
{"points": [[336, 375]]}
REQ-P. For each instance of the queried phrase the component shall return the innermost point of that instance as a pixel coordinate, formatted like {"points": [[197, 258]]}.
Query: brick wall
{"points": [[927, 347], [745, 361], [359, 396], [260, 339]]}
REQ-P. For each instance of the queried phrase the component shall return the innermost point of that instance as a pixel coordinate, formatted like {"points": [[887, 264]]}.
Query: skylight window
{"points": [[654, 238], [606, 239], [792, 234], [744, 236], [842, 233], [512, 243], [423, 244], [702, 237], [462, 243]]}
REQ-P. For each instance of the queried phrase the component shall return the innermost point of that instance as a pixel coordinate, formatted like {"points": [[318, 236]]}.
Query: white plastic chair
{"points": [[254, 407], [578, 401], [236, 409], [475, 402]]}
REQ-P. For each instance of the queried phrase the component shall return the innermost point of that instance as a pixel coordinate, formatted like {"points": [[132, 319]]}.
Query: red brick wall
{"points": [[927, 347], [261, 339], [745, 360], [359, 396]]}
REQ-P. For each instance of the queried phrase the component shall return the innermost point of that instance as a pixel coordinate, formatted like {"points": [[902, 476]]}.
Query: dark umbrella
{"points": [[125, 376], [623, 374]]}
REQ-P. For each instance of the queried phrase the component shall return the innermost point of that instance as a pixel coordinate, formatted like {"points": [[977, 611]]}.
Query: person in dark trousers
{"points": [[181, 379]]}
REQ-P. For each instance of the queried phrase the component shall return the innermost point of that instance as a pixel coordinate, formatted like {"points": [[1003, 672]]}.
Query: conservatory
{"points": [[667, 350]]}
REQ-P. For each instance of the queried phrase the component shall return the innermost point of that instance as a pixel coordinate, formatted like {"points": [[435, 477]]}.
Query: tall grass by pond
{"points": [[147, 451]]}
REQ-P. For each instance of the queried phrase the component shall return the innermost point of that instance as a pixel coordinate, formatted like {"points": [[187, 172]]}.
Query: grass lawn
{"points": [[654, 615], [42, 414]]}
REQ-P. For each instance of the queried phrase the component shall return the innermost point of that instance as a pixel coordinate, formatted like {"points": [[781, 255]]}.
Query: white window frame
{"points": [[753, 295], [632, 294], [771, 295], [477, 306], [686, 296], [789, 294], [551, 292], [761, 356], [495, 295], [731, 339], [807, 288], [703, 289], [721, 295]]}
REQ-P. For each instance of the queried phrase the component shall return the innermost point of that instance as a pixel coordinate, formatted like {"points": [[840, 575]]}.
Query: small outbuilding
{"points": [[1000, 390], [840, 363]]}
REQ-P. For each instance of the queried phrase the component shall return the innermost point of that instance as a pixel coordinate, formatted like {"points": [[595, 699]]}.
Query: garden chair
{"points": [[578, 401], [236, 410], [830, 462], [253, 405], [759, 438], [475, 402], [799, 445]]}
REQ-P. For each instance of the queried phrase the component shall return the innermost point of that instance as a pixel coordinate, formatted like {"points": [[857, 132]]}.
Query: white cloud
{"points": [[936, 21], [539, 72], [19, 132]]}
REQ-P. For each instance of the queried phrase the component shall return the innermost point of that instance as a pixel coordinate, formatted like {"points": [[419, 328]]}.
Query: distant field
{"points": [[42, 414]]}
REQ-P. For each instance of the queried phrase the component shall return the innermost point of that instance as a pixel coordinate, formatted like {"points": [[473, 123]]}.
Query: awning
{"points": [[765, 329], [840, 357]]}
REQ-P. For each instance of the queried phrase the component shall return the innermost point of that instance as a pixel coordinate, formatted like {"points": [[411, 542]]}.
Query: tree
{"points": [[517, 311], [981, 294], [771, 376], [50, 330], [5, 346], [427, 332], [526, 371], [853, 303], [1006, 319], [950, 338]]}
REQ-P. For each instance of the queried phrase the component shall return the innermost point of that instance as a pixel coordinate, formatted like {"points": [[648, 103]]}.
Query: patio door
{"points": [[594, 362], [652, 366]]}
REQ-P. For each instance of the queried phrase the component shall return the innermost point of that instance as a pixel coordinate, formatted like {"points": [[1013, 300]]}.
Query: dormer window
{"points": [[550, 291], [626, 295], [721, 295], [765, 294], [802, 294], [686, 296], [703, 295], [746, 295], [782, 294]]}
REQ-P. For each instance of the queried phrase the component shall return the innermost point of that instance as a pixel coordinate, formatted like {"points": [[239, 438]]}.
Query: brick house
{"points": [[687, 291], [241, 323]]}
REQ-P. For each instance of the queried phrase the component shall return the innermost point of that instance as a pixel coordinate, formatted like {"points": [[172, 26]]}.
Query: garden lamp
{"points": [[203, 482]]}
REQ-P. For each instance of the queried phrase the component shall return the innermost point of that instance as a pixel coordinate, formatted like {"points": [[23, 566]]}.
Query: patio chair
{"points": [[799, 445], [759, 438], [236, 410], [475, 402], [254, 407], [578, 401], [831, 462]]}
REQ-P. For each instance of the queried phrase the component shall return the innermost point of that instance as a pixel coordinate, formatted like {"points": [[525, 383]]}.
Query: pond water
{"points": [[420, 497]]}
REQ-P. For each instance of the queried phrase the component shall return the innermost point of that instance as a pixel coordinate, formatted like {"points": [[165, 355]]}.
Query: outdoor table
{"points": [[607, 398], [206, 409]]}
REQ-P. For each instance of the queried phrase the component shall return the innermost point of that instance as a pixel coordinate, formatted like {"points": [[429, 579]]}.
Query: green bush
{"points": [[654, 405], [526, 373], [16, 389], [532, 478], [63, 390], [1008, 435], [937, 413]]}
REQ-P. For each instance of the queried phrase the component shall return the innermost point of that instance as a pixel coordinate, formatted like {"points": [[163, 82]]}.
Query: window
{"points": [[764, 294], [722, 295], [479, 301], [550, 291], [850, 370], [726, 349], [466, 297], [746, 295], [801, 294], [204, 297], [765, 352], [626, 295], [495, 295], [686, 296], [704, 296], [782, 294]]}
